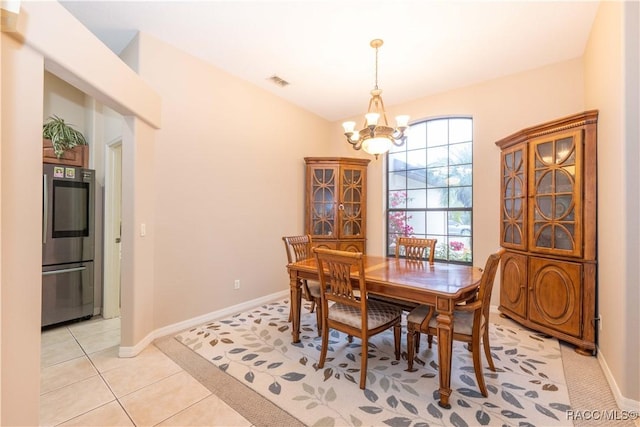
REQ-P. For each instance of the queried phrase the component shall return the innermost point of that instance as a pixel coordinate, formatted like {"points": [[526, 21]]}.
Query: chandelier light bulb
{"points": [[402, 121], [372, 118], [349, 127]]}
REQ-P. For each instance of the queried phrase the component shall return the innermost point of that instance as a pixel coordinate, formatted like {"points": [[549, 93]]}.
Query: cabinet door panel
{"points": [[555, 296], [322, 188], [514, 192], [352, 202], [513, 286], [555, 183]]}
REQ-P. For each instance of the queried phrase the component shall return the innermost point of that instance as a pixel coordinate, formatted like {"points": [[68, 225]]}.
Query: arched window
{"points": [[430, 188]]}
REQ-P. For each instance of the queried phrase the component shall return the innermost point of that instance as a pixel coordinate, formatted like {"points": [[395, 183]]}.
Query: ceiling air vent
{"points": [[278, 81]]}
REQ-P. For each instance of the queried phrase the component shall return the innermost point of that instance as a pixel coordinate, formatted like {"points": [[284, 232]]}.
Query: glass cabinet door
{"points": [[556, 199], [514, 207], [323, 201], [352, 203]]}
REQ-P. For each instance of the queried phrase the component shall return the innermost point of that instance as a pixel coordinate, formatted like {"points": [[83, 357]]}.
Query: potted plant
{"points": [[62, 135]]}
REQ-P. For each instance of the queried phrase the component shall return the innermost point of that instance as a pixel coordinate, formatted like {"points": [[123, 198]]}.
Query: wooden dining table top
{"points": [[412, 280]]}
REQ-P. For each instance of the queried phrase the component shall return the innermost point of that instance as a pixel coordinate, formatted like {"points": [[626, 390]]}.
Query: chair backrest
{"points": [[334, 271], [298, 247], [486, 282], [414, 248]]}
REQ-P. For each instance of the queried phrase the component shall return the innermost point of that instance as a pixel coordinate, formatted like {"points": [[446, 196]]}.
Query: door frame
{"points": [[112, 229]]}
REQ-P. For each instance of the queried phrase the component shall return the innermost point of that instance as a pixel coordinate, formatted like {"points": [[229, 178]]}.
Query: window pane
{"points": [[438, 198], [437, 156], [416, 137], [460, 153], [416, 179], [460, 175], [436, 221], [398, 199], [416, 220], [397, 180], [437, 132], [437, 177], [397, 161], [417, 159], [460, 197], [460, 130], [416, 199]]}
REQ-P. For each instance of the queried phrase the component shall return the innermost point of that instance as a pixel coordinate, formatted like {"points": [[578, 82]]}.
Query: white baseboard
{"points": [[624, 403], [181, 326]]}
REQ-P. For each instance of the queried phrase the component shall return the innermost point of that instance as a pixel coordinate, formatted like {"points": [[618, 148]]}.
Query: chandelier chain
{"points": [[376, 85]]}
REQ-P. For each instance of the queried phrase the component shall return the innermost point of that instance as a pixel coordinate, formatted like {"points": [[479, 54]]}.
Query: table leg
{"points": [[445, 349], [296, 302]]}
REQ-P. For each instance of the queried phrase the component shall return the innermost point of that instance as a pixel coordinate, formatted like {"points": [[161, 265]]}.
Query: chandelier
{"points": [[376, 136]]}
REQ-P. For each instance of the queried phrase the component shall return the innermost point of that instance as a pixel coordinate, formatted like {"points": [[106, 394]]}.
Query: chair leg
{"points": [[363, 362], [411, 340], [319, 318], [487, 350], [325, 345], [313, 306], [430, 340], [397, 335], [477, 367], [417, 344]]}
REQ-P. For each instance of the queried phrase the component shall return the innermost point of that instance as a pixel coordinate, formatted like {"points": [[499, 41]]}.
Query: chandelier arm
{"points": [[384, 112], [399, 142]]}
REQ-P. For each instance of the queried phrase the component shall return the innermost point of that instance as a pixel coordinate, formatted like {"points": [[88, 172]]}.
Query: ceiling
{"points": [[321, 47]]}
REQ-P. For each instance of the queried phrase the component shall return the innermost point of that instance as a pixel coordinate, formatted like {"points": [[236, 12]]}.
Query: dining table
{"points": [[440, 285]]}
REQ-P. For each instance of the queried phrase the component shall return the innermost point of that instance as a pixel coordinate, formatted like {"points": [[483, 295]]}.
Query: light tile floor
{"points": [[85, 383]]}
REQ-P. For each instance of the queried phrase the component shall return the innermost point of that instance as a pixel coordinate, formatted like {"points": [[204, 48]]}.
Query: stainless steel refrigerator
{"points": [[68, 238]]}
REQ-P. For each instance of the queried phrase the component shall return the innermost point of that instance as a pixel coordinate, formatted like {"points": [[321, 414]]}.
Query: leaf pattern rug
{"points": [[528, 389]]}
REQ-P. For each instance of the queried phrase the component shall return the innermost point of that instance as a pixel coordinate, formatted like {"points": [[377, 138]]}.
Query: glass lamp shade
{"points": [[376, 145]]}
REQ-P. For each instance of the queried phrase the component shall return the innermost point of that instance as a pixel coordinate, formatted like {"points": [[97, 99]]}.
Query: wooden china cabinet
{"points": [[548, 226], [336, 202]]}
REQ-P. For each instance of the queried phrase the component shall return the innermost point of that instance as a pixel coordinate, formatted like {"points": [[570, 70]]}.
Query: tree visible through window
{"points": [[429, 187]]}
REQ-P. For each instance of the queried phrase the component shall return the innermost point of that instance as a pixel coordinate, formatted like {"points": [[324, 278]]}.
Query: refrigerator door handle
{"points": [[45, 208], [66, 270]]}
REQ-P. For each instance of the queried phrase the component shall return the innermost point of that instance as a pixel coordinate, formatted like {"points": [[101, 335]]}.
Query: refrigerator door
{"points": [[67, 292], [67, 214]]}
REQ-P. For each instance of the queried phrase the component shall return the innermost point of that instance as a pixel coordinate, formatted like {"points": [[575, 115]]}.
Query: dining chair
{"points": [[298, 249], [351, 311], [413, 249], [470, 322]]}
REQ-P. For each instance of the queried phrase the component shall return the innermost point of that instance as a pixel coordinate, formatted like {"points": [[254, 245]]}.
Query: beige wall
{"points": [[228, 177], [20, 232], [610, 60]]}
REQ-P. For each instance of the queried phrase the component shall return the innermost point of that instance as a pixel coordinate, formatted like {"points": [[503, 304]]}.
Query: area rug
{"points": [[528, 389]]}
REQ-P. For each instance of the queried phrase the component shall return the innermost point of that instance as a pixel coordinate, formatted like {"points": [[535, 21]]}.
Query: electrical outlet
{"points": [[600, 321], [236, 284]]}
